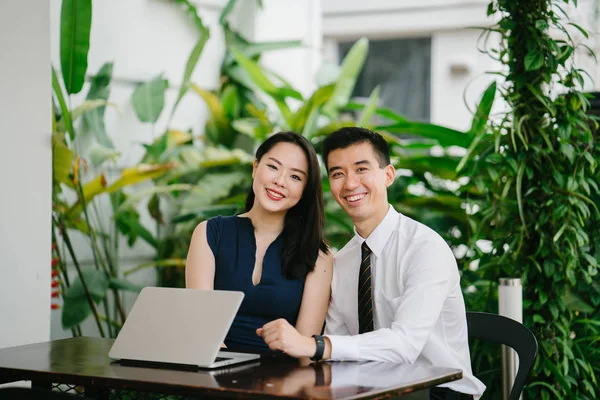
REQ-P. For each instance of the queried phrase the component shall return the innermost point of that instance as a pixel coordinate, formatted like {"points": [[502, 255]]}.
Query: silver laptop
{"points": [[181, 328]]}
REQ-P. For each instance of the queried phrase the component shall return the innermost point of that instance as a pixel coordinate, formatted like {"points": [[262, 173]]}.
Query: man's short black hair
{"points": [[348, 136]]}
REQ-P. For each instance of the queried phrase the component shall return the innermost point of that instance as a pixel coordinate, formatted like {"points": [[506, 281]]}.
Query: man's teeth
{"points": [[355, 197], [272, 193]]}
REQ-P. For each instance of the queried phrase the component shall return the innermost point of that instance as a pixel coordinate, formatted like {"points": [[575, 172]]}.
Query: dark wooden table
{"points": [[83, 362]]}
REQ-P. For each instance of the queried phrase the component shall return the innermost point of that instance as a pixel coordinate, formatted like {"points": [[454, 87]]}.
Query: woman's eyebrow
{"points": [[293, 169]]}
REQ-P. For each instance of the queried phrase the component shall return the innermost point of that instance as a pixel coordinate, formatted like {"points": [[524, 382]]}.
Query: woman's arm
{"points": [[200, 262], [315, 297]]}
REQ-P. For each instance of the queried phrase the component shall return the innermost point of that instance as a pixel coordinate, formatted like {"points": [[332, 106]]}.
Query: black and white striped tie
{"points": [[365, 296]]}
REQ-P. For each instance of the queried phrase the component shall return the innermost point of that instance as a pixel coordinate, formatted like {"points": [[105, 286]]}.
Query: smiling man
{"points": [[395, 292]]}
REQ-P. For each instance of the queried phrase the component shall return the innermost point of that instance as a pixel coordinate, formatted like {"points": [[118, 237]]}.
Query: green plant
{"points": [[198, 175], [534, 195], [76, 211], [211, 170]]}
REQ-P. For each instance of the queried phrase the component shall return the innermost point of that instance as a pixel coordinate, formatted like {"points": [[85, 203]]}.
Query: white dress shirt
{"points": [[418, 308]]}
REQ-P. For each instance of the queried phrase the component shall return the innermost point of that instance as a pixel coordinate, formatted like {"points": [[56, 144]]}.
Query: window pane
{"points": [[403, 69]]}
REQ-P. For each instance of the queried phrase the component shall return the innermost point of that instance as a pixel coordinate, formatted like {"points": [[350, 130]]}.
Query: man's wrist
{"points": [[327, 352]]}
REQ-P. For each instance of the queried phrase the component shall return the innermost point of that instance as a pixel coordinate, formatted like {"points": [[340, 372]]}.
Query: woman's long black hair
{"points": [[304, 223]]}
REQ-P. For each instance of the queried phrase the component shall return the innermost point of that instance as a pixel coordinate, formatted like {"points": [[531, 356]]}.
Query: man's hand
{"points": [[280, 335]]}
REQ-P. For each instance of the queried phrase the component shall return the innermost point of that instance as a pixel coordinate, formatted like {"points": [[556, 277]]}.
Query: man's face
{"points": [[358, 183]]}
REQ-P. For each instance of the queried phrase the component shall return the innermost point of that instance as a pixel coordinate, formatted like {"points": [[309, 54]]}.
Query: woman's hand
{"points": [[280, 335]]}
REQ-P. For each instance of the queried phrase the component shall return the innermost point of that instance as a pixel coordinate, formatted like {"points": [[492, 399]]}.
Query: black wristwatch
{"points": [[320, 348]]}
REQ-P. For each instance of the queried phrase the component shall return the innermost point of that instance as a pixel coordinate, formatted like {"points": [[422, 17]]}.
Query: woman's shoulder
{"points": [[217, 223], [221, 220]]}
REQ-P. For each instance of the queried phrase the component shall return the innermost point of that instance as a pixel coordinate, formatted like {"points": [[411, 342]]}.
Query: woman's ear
{"points": [[254, 167]]}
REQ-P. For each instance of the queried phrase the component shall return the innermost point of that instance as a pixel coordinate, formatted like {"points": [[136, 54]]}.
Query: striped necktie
{"points": [[365, 296]]}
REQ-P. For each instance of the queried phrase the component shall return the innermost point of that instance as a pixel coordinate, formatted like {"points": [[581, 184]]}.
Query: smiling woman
{"points": [[274, 252]]}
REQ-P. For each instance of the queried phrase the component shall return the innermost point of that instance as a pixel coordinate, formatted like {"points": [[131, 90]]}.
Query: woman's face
{"points": [[280, 177]]}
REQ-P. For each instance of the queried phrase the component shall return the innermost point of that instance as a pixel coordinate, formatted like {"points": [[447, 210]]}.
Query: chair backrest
{"points": [[499, 329]]}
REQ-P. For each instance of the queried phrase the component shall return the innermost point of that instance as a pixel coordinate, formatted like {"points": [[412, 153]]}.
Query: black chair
{"points": [[498, 329]]}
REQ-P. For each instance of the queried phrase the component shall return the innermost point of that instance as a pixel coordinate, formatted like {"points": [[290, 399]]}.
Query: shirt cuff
{"points": [[344, 348]]}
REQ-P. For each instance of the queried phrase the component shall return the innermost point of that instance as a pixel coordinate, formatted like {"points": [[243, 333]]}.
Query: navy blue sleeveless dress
{"points": [[233, 244]]}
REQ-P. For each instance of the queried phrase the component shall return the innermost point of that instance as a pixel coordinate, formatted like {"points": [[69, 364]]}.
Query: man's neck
{"points": [[367, 226]]}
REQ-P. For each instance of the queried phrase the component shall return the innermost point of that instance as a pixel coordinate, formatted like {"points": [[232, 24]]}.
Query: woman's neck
{"points": [[265, 222]]}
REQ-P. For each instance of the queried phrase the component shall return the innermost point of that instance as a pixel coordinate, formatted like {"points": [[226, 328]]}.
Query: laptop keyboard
{"points": [[222, 359]]}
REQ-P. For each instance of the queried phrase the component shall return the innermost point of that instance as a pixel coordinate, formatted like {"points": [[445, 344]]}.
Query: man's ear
{"points": [[390, 175], [254, 167]]}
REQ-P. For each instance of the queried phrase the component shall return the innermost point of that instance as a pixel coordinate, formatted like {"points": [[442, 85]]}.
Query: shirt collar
{"points": [[379, 237]]}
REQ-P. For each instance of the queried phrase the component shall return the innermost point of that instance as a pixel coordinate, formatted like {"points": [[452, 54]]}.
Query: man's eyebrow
{"points": [[280, 164], [361, 162]]}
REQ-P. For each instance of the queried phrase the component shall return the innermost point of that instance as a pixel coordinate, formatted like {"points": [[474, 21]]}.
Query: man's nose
{"points": [[351, 182]]}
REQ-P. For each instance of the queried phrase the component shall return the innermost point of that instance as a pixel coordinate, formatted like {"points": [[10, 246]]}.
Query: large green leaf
{"points": [[148, 99], [98, 154], [65, 113], [230, 99], [169, 262], [139, 173], [93, 120], [129, 177], [75, 24], [218, 127], [479, 123], [443, 167], [191, 65], [214, 105], [351, 67], [483, 110], [255, 49], [381, 111], [318, 98], [260, 78], [212, 187], [445, 136], [370, 107], [122, 284], [130, 225], [62, 159], [226, 10], [76, 303]]}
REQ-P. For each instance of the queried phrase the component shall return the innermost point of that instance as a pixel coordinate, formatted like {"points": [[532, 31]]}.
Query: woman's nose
{"points": [[279, 180]]}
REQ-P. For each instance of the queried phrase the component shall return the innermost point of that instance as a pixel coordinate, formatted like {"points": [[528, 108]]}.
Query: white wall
{"points": [[458, 76], [25, 167], [280, 20]]}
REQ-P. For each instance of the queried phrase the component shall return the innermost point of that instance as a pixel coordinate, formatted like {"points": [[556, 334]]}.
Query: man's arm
{"points": [[280, 335], [430, 273]]}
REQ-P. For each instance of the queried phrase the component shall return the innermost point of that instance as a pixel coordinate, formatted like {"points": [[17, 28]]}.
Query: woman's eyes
{"points": [[274, 168]]}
